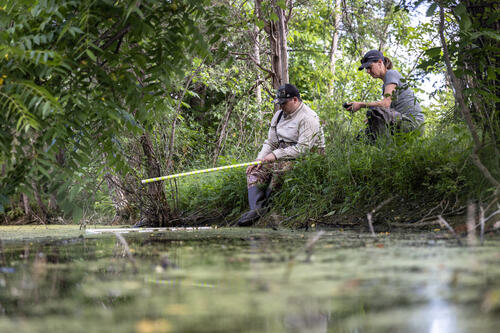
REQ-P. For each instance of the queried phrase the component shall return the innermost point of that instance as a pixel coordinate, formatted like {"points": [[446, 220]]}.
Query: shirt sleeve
{"points": [[392, 77], [309, 134]]}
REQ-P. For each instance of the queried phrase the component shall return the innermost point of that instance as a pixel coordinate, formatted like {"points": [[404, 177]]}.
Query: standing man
{"points": [[295, 130]]}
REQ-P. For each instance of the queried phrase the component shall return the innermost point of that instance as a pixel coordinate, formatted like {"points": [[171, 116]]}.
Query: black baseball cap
{"points": [[286, 92], [370, 57]]}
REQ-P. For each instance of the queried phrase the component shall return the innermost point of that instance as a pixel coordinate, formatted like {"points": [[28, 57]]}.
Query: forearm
{"points": [[385, 103]]}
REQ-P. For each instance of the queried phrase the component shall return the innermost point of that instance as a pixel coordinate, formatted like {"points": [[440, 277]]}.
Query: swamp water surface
{"points": [[245, 280]]}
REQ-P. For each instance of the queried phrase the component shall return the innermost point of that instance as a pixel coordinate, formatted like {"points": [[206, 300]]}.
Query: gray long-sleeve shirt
{"points": [[302, 129]]}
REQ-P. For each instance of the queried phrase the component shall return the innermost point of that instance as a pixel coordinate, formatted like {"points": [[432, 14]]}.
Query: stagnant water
{"points": [[248, 280]]}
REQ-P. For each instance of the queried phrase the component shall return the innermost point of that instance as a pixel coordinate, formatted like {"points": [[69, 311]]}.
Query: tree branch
{"points": [[463, 106]]}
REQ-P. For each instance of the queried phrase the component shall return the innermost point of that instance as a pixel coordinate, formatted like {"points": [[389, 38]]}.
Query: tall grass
{"points": [[351, 175]]}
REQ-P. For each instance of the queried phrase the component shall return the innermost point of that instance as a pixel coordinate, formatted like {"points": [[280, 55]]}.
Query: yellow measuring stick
{"points": [[196, 172]]}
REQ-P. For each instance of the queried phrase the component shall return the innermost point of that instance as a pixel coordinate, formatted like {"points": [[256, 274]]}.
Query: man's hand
{"points": [[268, 158]]}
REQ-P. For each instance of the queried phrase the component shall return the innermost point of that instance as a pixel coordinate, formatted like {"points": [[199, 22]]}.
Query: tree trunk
{"points": [[388, 4], [464, 108], [282, 35], [222, 132], [335, 41], [39, 201], [256, 54], [277, 33], [26, 205]]}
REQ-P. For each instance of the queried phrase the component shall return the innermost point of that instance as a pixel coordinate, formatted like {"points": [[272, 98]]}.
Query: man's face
{"points": [[290, 105]]}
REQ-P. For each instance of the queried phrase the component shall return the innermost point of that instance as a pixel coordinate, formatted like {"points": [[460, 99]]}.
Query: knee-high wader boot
{"points": [[257, 197]]}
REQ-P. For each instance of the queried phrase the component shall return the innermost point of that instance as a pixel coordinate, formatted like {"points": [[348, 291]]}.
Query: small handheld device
{"points": [[346, 105]]}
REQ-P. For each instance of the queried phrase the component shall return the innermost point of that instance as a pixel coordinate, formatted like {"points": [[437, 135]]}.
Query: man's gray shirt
{"points": [[403, 99], [301, 129]]}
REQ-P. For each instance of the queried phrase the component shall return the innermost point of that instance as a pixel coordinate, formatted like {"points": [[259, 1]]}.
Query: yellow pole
{"points": [[196, 172]]}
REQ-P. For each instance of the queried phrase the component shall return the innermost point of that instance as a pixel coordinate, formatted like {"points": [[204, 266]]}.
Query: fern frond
{"points": [[16, 106], [45, 57], [43, 93]]}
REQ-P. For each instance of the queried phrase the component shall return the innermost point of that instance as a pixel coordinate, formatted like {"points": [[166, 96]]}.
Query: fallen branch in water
{"points": [[373, 211], [481, 222], [310, 244], [471, 225], [308, 248], [370, 223], [458, 210], [127, 250], [443, 222]]}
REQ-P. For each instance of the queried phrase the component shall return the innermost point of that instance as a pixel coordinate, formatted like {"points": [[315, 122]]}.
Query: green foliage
{"points": [[78, 76]]}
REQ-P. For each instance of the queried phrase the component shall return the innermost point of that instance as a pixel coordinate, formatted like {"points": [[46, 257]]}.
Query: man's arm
{"points": [[309, 135]]}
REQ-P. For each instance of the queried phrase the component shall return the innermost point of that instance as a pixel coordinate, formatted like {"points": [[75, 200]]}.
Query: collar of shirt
{"points": [[294, 113]]}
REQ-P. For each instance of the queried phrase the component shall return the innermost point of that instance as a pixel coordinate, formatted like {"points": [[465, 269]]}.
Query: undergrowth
{"points": [[349, 176]]}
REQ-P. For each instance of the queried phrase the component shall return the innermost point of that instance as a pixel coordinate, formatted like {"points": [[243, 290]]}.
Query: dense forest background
{"points": [[97, 95]]}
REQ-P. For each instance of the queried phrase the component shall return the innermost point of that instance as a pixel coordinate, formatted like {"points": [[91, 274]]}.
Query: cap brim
{"points": [[364, 65], [280, 100]]}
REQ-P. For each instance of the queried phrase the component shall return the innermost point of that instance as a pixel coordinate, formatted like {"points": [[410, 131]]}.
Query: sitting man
{"points": [[295, 129]]}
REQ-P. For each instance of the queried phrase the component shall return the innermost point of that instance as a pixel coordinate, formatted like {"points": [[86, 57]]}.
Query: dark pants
{"points": [[384, 122]]}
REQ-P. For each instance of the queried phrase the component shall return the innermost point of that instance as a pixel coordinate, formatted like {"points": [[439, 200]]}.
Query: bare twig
{"points": [[254, 61], [492, 215], [443, 222]]}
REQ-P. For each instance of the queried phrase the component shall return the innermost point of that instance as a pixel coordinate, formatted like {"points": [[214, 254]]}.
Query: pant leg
{"points": [[269, 174], [382, 122]]}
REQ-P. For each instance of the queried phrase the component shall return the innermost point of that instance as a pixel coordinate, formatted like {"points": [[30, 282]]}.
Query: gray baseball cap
{"points": [[370, 57]]}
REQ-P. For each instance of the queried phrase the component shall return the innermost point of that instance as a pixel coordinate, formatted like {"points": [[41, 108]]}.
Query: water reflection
{"points": [[306, 315], [241, 281], [438, 315]]}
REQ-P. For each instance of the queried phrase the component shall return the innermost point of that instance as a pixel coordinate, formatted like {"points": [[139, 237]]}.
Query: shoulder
{"points": [[307, 110], [309, 115], [392, 76]]}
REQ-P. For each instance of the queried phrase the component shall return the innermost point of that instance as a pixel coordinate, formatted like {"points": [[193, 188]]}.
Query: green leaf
{"points": [[91, 54], [491, 73], [434, 52], [431, 9]]}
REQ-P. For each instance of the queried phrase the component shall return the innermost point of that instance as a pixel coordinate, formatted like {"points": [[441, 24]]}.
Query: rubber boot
{"points": [[256, 199]]}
